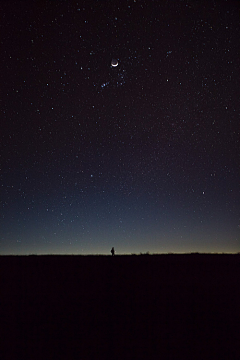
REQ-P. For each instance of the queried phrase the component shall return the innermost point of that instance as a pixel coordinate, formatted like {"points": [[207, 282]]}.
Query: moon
{"points": [[114, 63]]}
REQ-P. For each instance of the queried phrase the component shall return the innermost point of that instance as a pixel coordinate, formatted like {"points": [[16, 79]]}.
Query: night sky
{"points": [[142, 156]]}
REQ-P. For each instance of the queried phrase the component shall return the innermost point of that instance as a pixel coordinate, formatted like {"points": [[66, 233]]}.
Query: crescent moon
{"points": [[114, 63]]}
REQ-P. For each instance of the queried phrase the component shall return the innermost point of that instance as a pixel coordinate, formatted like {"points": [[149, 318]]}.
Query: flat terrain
{"points": [[121, 307]]}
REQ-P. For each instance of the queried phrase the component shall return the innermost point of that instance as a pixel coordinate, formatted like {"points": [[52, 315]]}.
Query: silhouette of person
{"points": [[113, 251]]}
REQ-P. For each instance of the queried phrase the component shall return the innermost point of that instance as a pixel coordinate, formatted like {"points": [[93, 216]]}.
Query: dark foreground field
{"points": [[122, 307]]}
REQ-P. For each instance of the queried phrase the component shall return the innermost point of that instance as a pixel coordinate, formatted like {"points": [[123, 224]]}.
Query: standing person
{"points": [[113, 251]]}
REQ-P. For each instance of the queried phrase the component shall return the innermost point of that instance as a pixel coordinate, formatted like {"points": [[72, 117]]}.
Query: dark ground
{"points": [[122, 307]]}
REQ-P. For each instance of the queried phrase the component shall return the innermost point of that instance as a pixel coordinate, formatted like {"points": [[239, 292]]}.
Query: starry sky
{"points": [[143, 156]]}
